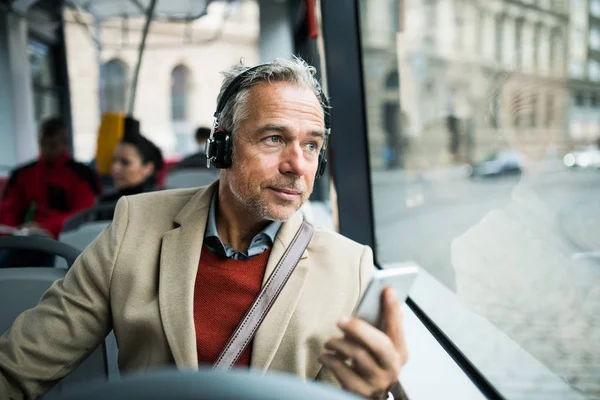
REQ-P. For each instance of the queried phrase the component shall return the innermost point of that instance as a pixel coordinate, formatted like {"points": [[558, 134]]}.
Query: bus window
{"points": [[179, 77], [492, 171]]}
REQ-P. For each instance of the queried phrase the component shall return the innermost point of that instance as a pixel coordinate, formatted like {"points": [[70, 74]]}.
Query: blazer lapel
{"points": [[272, 330], [180, 253]]}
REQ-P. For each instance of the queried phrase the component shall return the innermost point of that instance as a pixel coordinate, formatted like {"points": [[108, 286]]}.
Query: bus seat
{"points": [[40, 244], [81, 237], [20, 290], [207, 384], [190, 178], [103, 212]]}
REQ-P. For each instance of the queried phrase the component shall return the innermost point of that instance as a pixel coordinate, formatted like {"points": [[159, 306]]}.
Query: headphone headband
{"points": [[219, 145], [235, 87]]}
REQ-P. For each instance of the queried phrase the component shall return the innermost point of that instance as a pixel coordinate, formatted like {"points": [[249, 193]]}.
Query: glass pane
{"points": [[115, 86], [41, 64], [485, 170], [179, 77], [46, 105], [180, 85]]}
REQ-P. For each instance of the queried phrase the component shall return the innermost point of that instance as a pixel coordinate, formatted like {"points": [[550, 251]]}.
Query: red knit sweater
{"points": [[224, 291]]}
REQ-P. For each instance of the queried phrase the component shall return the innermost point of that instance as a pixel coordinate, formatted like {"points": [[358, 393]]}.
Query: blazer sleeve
{"points": [[71, 320], [365, 273]]}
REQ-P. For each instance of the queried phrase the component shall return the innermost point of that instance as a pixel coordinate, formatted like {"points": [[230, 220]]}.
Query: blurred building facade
{"points": [[475, 77], [584, 72], [179, 79]]}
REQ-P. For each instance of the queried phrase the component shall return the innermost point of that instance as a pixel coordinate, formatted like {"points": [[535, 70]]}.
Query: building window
{"points": [[396, 16], [537, 36], [549, 110], [517, 109], [595, 38], [180, 87], [115, 79], [533, 113], [594, 100], [430, 19], [575, 69], [519, 42], [46, 94], [459, 23], [499, 37], [480, 31], [555, 50], [594, 70], [579, 99], [595, 8]]}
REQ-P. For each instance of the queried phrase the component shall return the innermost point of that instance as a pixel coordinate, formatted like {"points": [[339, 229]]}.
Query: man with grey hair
{"points": [[177, 271]]}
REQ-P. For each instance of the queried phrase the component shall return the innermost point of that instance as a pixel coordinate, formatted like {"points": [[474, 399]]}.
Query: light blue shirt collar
{"points": [[261, 242]]}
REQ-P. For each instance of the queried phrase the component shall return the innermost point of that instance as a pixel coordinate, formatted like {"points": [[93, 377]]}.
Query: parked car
{"points": [[586, 157], [507, 162]]}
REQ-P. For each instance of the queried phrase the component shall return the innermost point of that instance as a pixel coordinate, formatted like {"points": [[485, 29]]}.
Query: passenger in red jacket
{"points": [[43, 194]]}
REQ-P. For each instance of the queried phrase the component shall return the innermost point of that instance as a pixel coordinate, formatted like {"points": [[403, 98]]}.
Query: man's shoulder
{"points": [[21, 172], [332, 242], [86, 174], [162, 196], [153, 212], [23, 168], [331, 236], [157, 202]]}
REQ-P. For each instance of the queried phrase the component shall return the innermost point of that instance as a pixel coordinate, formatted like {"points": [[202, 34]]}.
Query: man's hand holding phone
{"points": [[366, 360]]}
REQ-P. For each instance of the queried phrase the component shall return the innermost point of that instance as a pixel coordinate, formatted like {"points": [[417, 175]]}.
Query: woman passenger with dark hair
{"points": [[135, 163]]}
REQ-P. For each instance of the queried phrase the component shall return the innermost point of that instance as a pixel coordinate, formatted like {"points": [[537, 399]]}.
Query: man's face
{"points": [[53, 147], [520, 101], [276, 150]]}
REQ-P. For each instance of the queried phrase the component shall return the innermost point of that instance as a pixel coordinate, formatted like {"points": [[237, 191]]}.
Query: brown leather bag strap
{"points": [[262, 304]]}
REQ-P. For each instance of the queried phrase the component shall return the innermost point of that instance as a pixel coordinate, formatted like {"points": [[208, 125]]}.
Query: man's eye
{"points": [[312, 146], [273, 139]]}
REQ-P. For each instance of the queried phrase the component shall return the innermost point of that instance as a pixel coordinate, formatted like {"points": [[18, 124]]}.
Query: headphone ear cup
{"points": [[219, 149], [322, 163]]}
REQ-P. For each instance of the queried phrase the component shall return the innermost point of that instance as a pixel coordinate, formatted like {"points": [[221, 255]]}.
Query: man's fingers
{"points": [[392, 318], [382, 344], [361, 359], [347, 377], [371, 338], [393, 322]]}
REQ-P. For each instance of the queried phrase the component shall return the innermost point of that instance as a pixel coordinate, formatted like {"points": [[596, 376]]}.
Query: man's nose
{"points": [[293, 161]]}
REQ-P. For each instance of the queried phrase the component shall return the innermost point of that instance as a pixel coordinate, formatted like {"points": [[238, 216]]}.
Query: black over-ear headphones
{"points": [[220, 145]]}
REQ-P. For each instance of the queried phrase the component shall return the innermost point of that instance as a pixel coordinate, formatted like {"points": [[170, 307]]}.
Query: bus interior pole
{"points": [[149, 17]]}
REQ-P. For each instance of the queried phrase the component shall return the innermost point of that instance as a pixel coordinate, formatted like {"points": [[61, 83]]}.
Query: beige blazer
{"points": [[138, 278]]}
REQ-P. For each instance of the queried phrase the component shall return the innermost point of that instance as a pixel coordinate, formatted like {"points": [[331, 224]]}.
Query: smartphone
{"points": [[399, 278]]}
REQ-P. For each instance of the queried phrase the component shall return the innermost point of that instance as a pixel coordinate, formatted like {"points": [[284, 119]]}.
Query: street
{"points": [[417, 218], [513, 250]]}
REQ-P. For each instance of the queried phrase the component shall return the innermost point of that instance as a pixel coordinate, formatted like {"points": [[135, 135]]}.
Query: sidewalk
{"points": [[434, 174], [581, 223]]}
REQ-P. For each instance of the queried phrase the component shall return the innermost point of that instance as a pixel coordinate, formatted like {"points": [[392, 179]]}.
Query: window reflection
{"points": [[116, 75], [178, 80], [41, 64], [46, 99], [493, 171], [181, 86]]}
